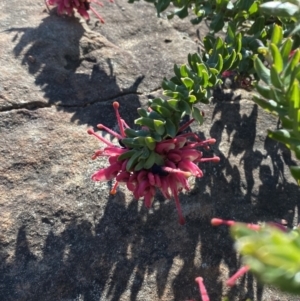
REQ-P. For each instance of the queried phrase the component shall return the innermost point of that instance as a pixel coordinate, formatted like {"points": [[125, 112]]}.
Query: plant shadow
{"points": [[74, 66]]}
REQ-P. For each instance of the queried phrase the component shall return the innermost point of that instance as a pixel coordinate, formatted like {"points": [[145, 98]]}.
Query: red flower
{"points": [[179, 156], [82, 6]]}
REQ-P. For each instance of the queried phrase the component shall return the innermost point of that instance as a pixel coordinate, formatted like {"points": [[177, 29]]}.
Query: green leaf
{"points": [[157, 101], [173, 103], [262, 71], [189, 83], [277, 59], [283, 136], [241, 15], [159, 160], [217, 23], [129, 142], [205, 79], [126, 155], [171, 128], [264, 91], [209, 42], [191, 99], [295, 171], [293, 62], [257, 26], [145, 154], [280, 97], [296, 73], [237, 61], [150, 142], [263, 103], [162, 5], [172, 94], [238, 42], [156, 136], [184, 71], [139, 141], [140, 165], [277, 35], [229, 61], [219, 65], [161, 110], [184, 107], [253, 8], [159, 126], [150, 161], [197, 20], [148, 122], [155, 115], [177, 71], [130, 133], [133, 160], [230, 34], [275, 79], [200, 68], [142, 112], [197, 115], [286, 49], [168, 85], [182, 12], [294, 95]]}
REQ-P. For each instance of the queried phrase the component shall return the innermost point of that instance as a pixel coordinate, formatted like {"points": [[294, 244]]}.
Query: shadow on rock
{"points": [[109, 259], [74, 66], [250, 184], [264, 163]]}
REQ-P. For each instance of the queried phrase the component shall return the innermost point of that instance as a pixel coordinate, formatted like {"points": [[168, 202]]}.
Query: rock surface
{"points": [[63, 237]]}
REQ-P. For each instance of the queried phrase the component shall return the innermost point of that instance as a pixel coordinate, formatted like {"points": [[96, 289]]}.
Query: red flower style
{"points": [[82, 6], [202, 289], [180, 158]]}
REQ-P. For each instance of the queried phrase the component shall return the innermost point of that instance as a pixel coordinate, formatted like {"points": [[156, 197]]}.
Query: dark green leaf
{"points": [[197, 115], [275, 78], [262, 71], [182, 13], [171, 128]]}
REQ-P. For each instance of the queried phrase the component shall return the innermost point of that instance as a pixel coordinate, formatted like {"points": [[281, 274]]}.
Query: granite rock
{"points": [[64, 237]]}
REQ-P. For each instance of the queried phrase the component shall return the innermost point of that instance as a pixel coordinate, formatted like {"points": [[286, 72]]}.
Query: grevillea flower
{"points": [[243, 270], [179, 157], [67, 7]]}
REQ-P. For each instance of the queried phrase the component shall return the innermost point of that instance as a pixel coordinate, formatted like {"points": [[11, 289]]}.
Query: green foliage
{"points": [[253, 45], [272, 255], [279, 92], [190, 85], [258, 41], [254, 20]]}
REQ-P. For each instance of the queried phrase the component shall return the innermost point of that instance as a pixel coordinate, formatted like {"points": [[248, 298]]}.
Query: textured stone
{"points": [[63, 237]]}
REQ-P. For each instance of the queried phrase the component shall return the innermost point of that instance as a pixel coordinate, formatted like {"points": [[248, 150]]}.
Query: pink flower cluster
{"points": [[82, 6], [180, 158]]}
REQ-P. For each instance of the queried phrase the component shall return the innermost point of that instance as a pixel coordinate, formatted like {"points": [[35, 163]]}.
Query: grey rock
{"points": [[64, 237]]}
